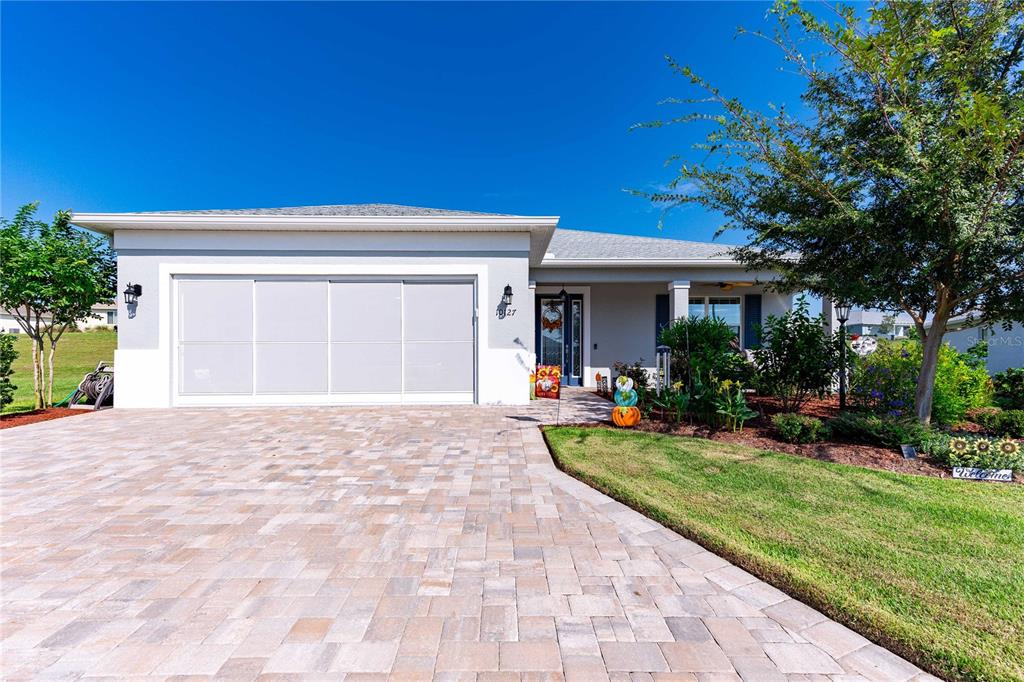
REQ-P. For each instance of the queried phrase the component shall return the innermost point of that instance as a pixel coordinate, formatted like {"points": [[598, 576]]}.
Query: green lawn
{"points": [[932, 568], [77, 353]]}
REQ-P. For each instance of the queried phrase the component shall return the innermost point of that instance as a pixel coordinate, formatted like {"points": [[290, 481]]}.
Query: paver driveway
{"points": [[367, 543]]}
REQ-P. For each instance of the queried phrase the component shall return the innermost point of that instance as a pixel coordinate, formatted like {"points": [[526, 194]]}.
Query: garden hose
{"points": [[66, 398]]}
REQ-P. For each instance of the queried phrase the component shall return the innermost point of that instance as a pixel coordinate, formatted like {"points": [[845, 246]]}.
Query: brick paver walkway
{"points": [[368, 543]]}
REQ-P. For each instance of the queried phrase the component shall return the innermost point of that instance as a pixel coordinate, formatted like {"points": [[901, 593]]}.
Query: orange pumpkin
{"points": [[626, 417]]}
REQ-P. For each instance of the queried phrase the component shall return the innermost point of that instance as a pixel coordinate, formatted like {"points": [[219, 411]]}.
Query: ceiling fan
{"points": [[728, 286]]}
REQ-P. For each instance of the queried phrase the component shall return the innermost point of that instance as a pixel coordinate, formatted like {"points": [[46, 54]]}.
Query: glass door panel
{"points": [[552, 332], [560, 336]]}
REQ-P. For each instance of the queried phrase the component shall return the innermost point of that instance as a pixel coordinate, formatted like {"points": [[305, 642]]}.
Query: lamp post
{"points": [[842, 314]]}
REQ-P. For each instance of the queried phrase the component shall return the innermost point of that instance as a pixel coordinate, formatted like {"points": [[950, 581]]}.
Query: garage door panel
{"points": [[291, 368], [338, 340], [291, 311], [215, 311], [438, 312], [366, 367], [211, 369], [366, 311], [439, 367]]}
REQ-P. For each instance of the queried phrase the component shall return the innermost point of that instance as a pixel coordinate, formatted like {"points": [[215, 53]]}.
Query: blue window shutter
{"points": [[660, 315], [752, 320]]}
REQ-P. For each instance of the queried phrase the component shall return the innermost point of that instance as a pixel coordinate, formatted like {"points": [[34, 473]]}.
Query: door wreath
{"points": [[551, 318]]}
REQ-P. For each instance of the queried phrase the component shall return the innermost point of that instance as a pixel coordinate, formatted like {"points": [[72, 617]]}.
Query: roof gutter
{"points": [[108, 222], [634, 262]]}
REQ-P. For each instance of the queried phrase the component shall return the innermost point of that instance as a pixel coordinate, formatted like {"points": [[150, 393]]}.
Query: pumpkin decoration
{"points": [[626, 417], [625, 413]]}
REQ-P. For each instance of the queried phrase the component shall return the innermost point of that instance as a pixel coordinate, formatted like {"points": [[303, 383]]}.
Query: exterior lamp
{"points": [[842, 314], [506, 297], [132, 293]]}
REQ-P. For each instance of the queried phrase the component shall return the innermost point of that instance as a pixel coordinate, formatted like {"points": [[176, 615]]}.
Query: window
{"points": [[725, 308], [111, 317]]}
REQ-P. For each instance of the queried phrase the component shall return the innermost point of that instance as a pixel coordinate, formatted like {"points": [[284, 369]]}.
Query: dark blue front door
{"points": [[559, 326]]}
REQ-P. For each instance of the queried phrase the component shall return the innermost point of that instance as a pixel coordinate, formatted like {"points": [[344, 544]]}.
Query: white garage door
{"points": [[323, 342]]}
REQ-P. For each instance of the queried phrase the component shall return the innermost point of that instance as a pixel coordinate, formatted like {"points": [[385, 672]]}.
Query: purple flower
{"points": [[875, 393]]}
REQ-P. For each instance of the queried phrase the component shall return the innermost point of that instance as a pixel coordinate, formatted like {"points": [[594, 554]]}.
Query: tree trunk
{"points": [[931, 343], [37, 371], [49, 387]]}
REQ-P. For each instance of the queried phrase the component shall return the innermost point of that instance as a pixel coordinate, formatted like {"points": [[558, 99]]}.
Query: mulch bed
{"points": [[758, 433], [8, 421]]}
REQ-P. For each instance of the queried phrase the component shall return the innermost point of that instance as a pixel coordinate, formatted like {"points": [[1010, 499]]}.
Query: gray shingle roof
{"points": [[577, 244], [386, 210]]}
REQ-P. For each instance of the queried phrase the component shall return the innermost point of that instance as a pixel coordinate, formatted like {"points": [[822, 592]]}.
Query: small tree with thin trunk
{"points": [[899, 184], [51, 275]]}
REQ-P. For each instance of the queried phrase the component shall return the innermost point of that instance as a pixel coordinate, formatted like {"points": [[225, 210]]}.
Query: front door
{"points": [[560, 335]]}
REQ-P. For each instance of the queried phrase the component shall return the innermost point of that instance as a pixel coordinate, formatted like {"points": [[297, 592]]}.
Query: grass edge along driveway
{"points": [[930, 568]]}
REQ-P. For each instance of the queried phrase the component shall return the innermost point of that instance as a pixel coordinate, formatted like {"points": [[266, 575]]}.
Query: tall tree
{"points": [[899, 183], [51, 275]]}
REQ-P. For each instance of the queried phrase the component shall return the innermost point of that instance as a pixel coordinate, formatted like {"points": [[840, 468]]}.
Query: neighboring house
{"points": [[104, 315], [878, 323], [1005, 348], [377, 303]]}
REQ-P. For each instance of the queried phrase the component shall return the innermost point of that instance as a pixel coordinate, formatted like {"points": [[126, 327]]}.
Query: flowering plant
{"points": [[884, 382]]}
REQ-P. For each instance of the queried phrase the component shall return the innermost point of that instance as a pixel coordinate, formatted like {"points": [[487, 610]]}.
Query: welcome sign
{"points": [[975, 474]]}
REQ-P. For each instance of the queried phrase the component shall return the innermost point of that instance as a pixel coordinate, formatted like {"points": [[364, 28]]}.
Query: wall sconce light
{"points": [[506, 297], [132, 293]]}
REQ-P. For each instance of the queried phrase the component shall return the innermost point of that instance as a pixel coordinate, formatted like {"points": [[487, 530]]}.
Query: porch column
{"points": [[678, 299], [531, 306]]}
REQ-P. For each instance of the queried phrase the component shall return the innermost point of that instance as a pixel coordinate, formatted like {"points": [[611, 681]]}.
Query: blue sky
{"points": [[518, 108]]}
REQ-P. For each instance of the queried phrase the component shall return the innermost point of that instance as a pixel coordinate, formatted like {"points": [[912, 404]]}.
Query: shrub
{"points": [[672, 402], [960, 384], [972, 451], [705, 346], [7, 357], [797, 358], [799, 428], [1008, 387], [982, 416], [997, 421], [1009, 423], [884, 382], [873, 429]]}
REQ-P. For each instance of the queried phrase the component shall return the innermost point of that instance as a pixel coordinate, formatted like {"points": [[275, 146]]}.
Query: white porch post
{"points": [[678, 299], [531, 306]]}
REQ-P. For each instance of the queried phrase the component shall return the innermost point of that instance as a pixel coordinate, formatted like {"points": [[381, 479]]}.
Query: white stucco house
{"points": [[890, 325], [1005, 347], [378, 303], [103, 315]]}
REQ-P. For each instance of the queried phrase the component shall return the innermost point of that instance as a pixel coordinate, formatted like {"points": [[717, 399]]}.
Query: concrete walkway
{"points": [[366, 544]]}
